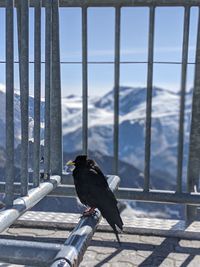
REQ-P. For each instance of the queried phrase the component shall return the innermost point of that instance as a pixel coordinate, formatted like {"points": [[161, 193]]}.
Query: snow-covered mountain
{"points": [[17, 116], [2, 115], [164, 131], [165, 117]]}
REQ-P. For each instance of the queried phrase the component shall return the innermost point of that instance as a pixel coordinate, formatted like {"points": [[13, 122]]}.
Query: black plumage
{"points": [[93, 191]]}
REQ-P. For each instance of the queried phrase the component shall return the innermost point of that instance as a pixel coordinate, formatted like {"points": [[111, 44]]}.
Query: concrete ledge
{"points": [[136, 250], [147, 226]]}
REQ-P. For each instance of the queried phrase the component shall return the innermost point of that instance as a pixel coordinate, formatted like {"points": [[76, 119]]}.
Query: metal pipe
{"points": [[116, 89], [18, 8], [65, 190], [22, 204], [55, 101], [111, 3], [61, 191], [48, 58], [161, 196], [129, 2], [158, 196], [172, 197], [76, 244], [9, 189], [194, 148], [37, 95], [24, 94], [28, 252], [84, 82], [110, 62], [182, 98], [149, 99]]}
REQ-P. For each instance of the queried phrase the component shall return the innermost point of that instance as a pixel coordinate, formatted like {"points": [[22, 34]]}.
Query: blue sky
{"points": [[134, 40]]}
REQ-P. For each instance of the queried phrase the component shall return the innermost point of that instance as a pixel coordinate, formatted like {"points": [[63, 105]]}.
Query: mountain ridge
{"points": [[132, 105]]}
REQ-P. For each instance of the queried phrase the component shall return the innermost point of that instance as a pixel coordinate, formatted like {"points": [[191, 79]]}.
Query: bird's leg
{"points": [[88, 212]]}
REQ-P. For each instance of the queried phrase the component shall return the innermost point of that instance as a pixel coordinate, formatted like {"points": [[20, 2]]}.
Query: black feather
{"points": [[93, 190]]}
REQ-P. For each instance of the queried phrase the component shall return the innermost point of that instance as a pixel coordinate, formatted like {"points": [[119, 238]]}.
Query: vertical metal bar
{"points": [[55, 103], [18, 8], [182, 98], [48, 36], [85, 82], [24, 94], [149, 99], [37, 94], [9, 187], [116, 89], [194, 148], [19, 35]]}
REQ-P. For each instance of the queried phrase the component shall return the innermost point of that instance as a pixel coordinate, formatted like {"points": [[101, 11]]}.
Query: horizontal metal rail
{"points": [[22, 204], [28, 252], [161, 196], [111, 3], [110, 62]]}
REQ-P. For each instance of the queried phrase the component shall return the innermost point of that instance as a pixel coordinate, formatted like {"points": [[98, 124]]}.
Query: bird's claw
{"points": [[88, 212]]}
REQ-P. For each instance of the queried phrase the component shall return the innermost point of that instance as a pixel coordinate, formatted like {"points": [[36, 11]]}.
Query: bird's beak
{"points": [[70, 163]]}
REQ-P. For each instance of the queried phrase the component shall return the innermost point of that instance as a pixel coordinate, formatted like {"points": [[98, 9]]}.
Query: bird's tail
{"points": [[119, 221], [116, 233]]}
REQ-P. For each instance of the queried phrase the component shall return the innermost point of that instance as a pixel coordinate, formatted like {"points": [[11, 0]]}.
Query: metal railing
{"points": [[34, 253], [15, 208], [53, 118]]}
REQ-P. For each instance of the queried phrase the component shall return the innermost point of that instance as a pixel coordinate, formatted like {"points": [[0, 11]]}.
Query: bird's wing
{"points": [[94, 176], [94, 170], [106, 202], [96, 167]]}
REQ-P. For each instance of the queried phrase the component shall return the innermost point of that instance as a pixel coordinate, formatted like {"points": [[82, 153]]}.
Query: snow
{"points": [[132, 120], [2, 88], [165, 120]]}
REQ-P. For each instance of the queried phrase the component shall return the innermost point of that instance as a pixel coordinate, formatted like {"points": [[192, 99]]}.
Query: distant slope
{"points": [[132, 103]]}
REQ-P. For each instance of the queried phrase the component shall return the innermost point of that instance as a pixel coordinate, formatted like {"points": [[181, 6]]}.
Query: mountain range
{"points": [[132, 107], [132, 114]]}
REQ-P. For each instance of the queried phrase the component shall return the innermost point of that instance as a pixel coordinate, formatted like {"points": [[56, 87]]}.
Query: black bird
{"points": [[93, 191]]}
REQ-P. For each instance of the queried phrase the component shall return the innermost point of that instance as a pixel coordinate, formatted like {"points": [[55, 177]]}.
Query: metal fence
{"points": [[53, 118], [53, 146]]}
